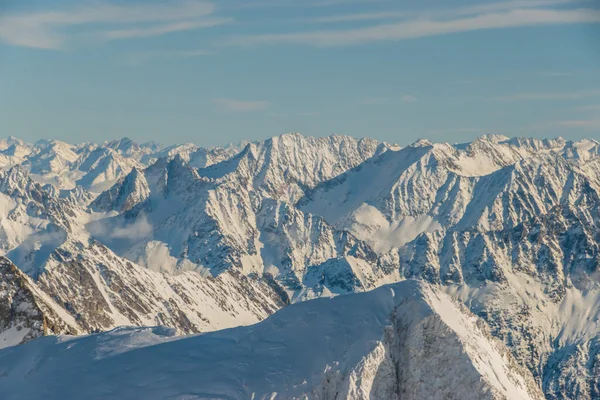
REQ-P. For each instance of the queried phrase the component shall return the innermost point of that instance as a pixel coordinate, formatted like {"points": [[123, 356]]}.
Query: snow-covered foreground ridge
{"points": [[101, 236], [402, 341]]}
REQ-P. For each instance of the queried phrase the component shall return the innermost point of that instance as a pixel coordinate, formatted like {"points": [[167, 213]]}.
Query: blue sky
{"points": [[224, 71]]}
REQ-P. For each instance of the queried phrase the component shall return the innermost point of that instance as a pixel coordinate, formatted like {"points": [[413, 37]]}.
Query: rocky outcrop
{"points": [[26, 312]]}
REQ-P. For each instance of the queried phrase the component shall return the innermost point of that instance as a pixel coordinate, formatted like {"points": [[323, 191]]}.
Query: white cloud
{"points": [[115, 229], [140, 58], [439, 13], [242, 106], [360, 17], [556, 74], [549, 96], [303, 3], [141, 228], [585, 124], [163, 29], [417, 28], [408, 98], [374, 101], [591, 107], [378, 101], [47, 30], [591, 124]]}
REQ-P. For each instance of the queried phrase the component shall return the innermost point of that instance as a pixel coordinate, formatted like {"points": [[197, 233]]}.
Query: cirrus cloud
{"points": [[418, 28], [53, 29], [234, 105]]}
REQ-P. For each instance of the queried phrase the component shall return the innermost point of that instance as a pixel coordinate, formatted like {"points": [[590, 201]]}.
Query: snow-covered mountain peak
{"points": [[124, 195], [11, 141], [122, 145], [16, 150], [421, 143], [51, 157], [509, 226], [102, 167], [493, 137], [16, 182]]}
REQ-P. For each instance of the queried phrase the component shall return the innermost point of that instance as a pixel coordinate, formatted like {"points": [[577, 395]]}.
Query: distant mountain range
{"points": [[499, 234]]}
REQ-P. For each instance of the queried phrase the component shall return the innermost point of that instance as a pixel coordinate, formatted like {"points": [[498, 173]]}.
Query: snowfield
{"points": [[94, 237], [404, 341]]}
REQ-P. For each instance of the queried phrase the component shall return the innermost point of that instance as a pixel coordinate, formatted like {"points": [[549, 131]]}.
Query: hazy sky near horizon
{"points": [[223, 71]]}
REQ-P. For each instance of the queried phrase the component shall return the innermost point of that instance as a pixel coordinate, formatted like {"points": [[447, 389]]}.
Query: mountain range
{"points": [[497, 240]]}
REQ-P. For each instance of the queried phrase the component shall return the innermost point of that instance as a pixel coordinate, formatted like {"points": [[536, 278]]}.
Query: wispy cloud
{"points": [[556, 74], [417, 28], [242, 106], [162, 29], [591, 107], [590, 125], [360, 17], [575, 95], [302, 4], [143, 57], [48, 29], [379, 101], [408, 98], [374, 101], [438, 13]]}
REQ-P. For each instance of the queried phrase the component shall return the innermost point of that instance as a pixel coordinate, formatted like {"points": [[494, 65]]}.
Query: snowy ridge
{"points": [[375, 345], [510, 227], [105, 291]]}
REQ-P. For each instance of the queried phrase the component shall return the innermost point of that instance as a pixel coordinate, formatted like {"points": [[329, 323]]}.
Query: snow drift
{"points": [[405, 340]]}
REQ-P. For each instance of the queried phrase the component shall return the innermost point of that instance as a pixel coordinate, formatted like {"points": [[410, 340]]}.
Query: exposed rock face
{"points": [[26, 312], [103, 291], [123, 196]]}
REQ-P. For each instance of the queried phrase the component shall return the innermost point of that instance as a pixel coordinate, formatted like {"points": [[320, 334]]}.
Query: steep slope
{"points": [[15, 153], [536, 284], [225, 216], [184, 221], [12, 141], [103, 291], [402, 341], [123, 196], [33, 221], [285, 166], [45, 236], [508, 226], [203, 157], [389, 200], [102, 167], [182, 150], [26, 312], [132, 150], [51, 157], [87, 165]]}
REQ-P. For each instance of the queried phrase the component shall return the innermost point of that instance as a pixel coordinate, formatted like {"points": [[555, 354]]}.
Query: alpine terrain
{"points": [[346, 268]]}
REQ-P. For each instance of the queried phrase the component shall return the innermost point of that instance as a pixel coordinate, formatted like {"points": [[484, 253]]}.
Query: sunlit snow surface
{"points": [[378, 343]]}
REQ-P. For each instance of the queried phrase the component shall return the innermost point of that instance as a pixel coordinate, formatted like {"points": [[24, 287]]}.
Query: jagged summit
{"points": [[201, 239], [421, 143]]}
